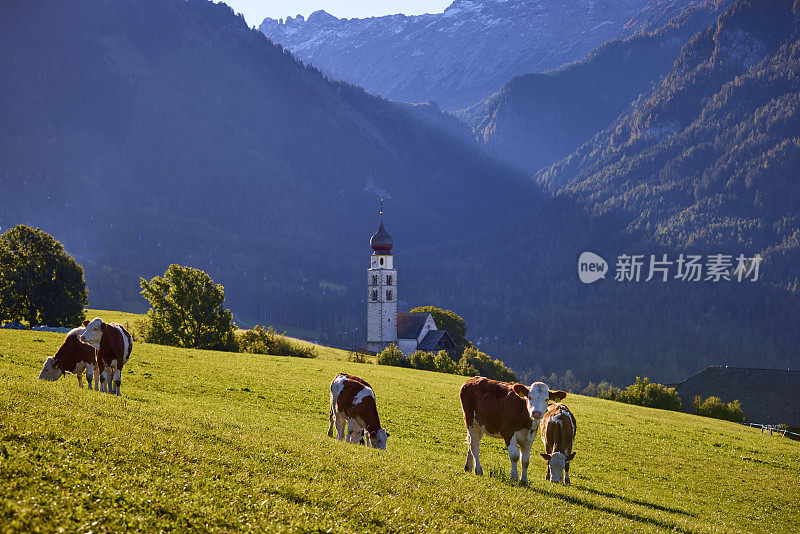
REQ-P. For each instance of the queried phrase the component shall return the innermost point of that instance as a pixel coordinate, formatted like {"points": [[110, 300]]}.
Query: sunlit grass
{"points": [[224, 441]]}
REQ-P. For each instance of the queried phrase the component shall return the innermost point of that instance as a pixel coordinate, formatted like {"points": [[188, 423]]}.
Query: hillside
{"points": [[709, 158], [538, 118], [147, 133], [466, 53], [220, 442]]}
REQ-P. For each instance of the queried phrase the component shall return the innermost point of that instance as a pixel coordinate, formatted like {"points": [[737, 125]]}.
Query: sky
{"points": [[255, 11]]}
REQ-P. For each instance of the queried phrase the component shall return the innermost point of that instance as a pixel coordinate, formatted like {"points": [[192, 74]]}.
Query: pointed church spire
{"points": [[381, 242]]}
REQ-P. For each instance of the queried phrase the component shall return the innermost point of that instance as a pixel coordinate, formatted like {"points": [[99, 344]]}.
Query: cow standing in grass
{"points": [[558, 433], [504, 410], [71, 357], [114, 345], [353, 407]]}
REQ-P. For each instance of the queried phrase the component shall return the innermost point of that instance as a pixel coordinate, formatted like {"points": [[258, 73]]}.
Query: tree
{"points": [[450, 321], [39, 282], [186, 310]]}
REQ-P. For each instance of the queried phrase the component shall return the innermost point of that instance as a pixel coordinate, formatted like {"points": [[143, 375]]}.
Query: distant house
{"points": [[417, 331], [767, 396]]}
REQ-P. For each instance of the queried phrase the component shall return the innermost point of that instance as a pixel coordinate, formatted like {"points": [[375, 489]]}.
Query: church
{"points": [[385, 326]]}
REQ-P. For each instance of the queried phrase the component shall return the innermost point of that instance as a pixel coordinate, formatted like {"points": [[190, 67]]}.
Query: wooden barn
{"points": [[767, 396]]}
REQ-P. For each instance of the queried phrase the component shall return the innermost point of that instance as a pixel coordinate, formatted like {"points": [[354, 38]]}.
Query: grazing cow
{"points": [[114, 345], [71, 357], [504, 410], [353, 404], [558, 432]]}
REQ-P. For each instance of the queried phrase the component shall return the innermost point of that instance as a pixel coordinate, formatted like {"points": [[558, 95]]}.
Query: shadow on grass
{"points": [[500, 474], [635, 501]]}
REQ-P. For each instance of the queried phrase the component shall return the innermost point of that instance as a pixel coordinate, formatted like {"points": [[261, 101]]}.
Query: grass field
{"points": [[235, 442]]}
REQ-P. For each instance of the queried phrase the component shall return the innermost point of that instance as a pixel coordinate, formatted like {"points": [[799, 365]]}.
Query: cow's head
{"points": [[94, 332], [556, 463], [378, 439], [537, 396], [50, 370]]}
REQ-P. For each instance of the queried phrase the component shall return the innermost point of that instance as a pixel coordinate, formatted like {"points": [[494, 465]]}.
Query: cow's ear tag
{"points": [[521, 391]]}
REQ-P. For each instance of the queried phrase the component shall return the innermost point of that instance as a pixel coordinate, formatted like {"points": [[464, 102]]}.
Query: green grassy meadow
{"points": [[216, 441]]}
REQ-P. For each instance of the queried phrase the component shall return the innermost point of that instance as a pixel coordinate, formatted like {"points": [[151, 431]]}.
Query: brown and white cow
{"points": [[504, 410], [558, 433], [114, 345], [71, 357], [353, 406]]}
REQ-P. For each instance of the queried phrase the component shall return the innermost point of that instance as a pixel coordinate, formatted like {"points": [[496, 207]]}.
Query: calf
{"points": [[353, 404], [558, 432], [504, 410], [114, 345], [71, 357]]}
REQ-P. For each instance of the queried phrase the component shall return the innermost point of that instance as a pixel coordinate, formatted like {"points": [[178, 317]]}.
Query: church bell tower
{"points": [[381, 292]]}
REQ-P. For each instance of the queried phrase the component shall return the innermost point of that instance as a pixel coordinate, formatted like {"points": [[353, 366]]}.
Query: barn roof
{"points": [[767, 396], [409, 325], [436, 340]]}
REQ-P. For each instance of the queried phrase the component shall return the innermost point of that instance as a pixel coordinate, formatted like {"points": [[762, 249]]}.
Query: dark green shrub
{"points": [[714, 407], [444, 363], [39, 282], [474, 362], [423, 360], [186, 310], [645, 393], [260, 341], [393, 356]]}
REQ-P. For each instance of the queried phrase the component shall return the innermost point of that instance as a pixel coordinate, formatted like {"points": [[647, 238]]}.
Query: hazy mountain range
{"points": [[148, 132], [467, 52]]}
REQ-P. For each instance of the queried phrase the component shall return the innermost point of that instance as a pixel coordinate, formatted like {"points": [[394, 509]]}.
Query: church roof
{"points": [[436, 340], [381, 242], [409, 325], [767, 396]]}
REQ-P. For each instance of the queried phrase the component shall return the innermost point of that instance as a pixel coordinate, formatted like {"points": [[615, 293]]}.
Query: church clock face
{"points": [[374, 262]]}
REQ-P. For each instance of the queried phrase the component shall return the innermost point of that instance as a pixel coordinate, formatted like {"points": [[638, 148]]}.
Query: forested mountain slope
{"points": [[538, 118], [710, 159]]}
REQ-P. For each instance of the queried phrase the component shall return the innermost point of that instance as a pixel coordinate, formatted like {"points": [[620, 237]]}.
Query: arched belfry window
{"points": [[389, 280], [374, 294], [381, 261], [374, 279], [388, 294]]}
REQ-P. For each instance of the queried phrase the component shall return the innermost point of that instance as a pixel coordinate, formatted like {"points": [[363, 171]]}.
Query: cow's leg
{"points": [[341, 423], [513, 455], [117, 381], [79, 374], [468, 464], [475, 435], [89, 375], [330, 424], [353, 431], [114, 378], [526, 458], [566, 473]]}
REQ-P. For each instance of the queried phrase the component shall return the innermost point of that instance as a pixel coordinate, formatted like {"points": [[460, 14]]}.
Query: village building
{"points": [[385, 325], [755, 389]]}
